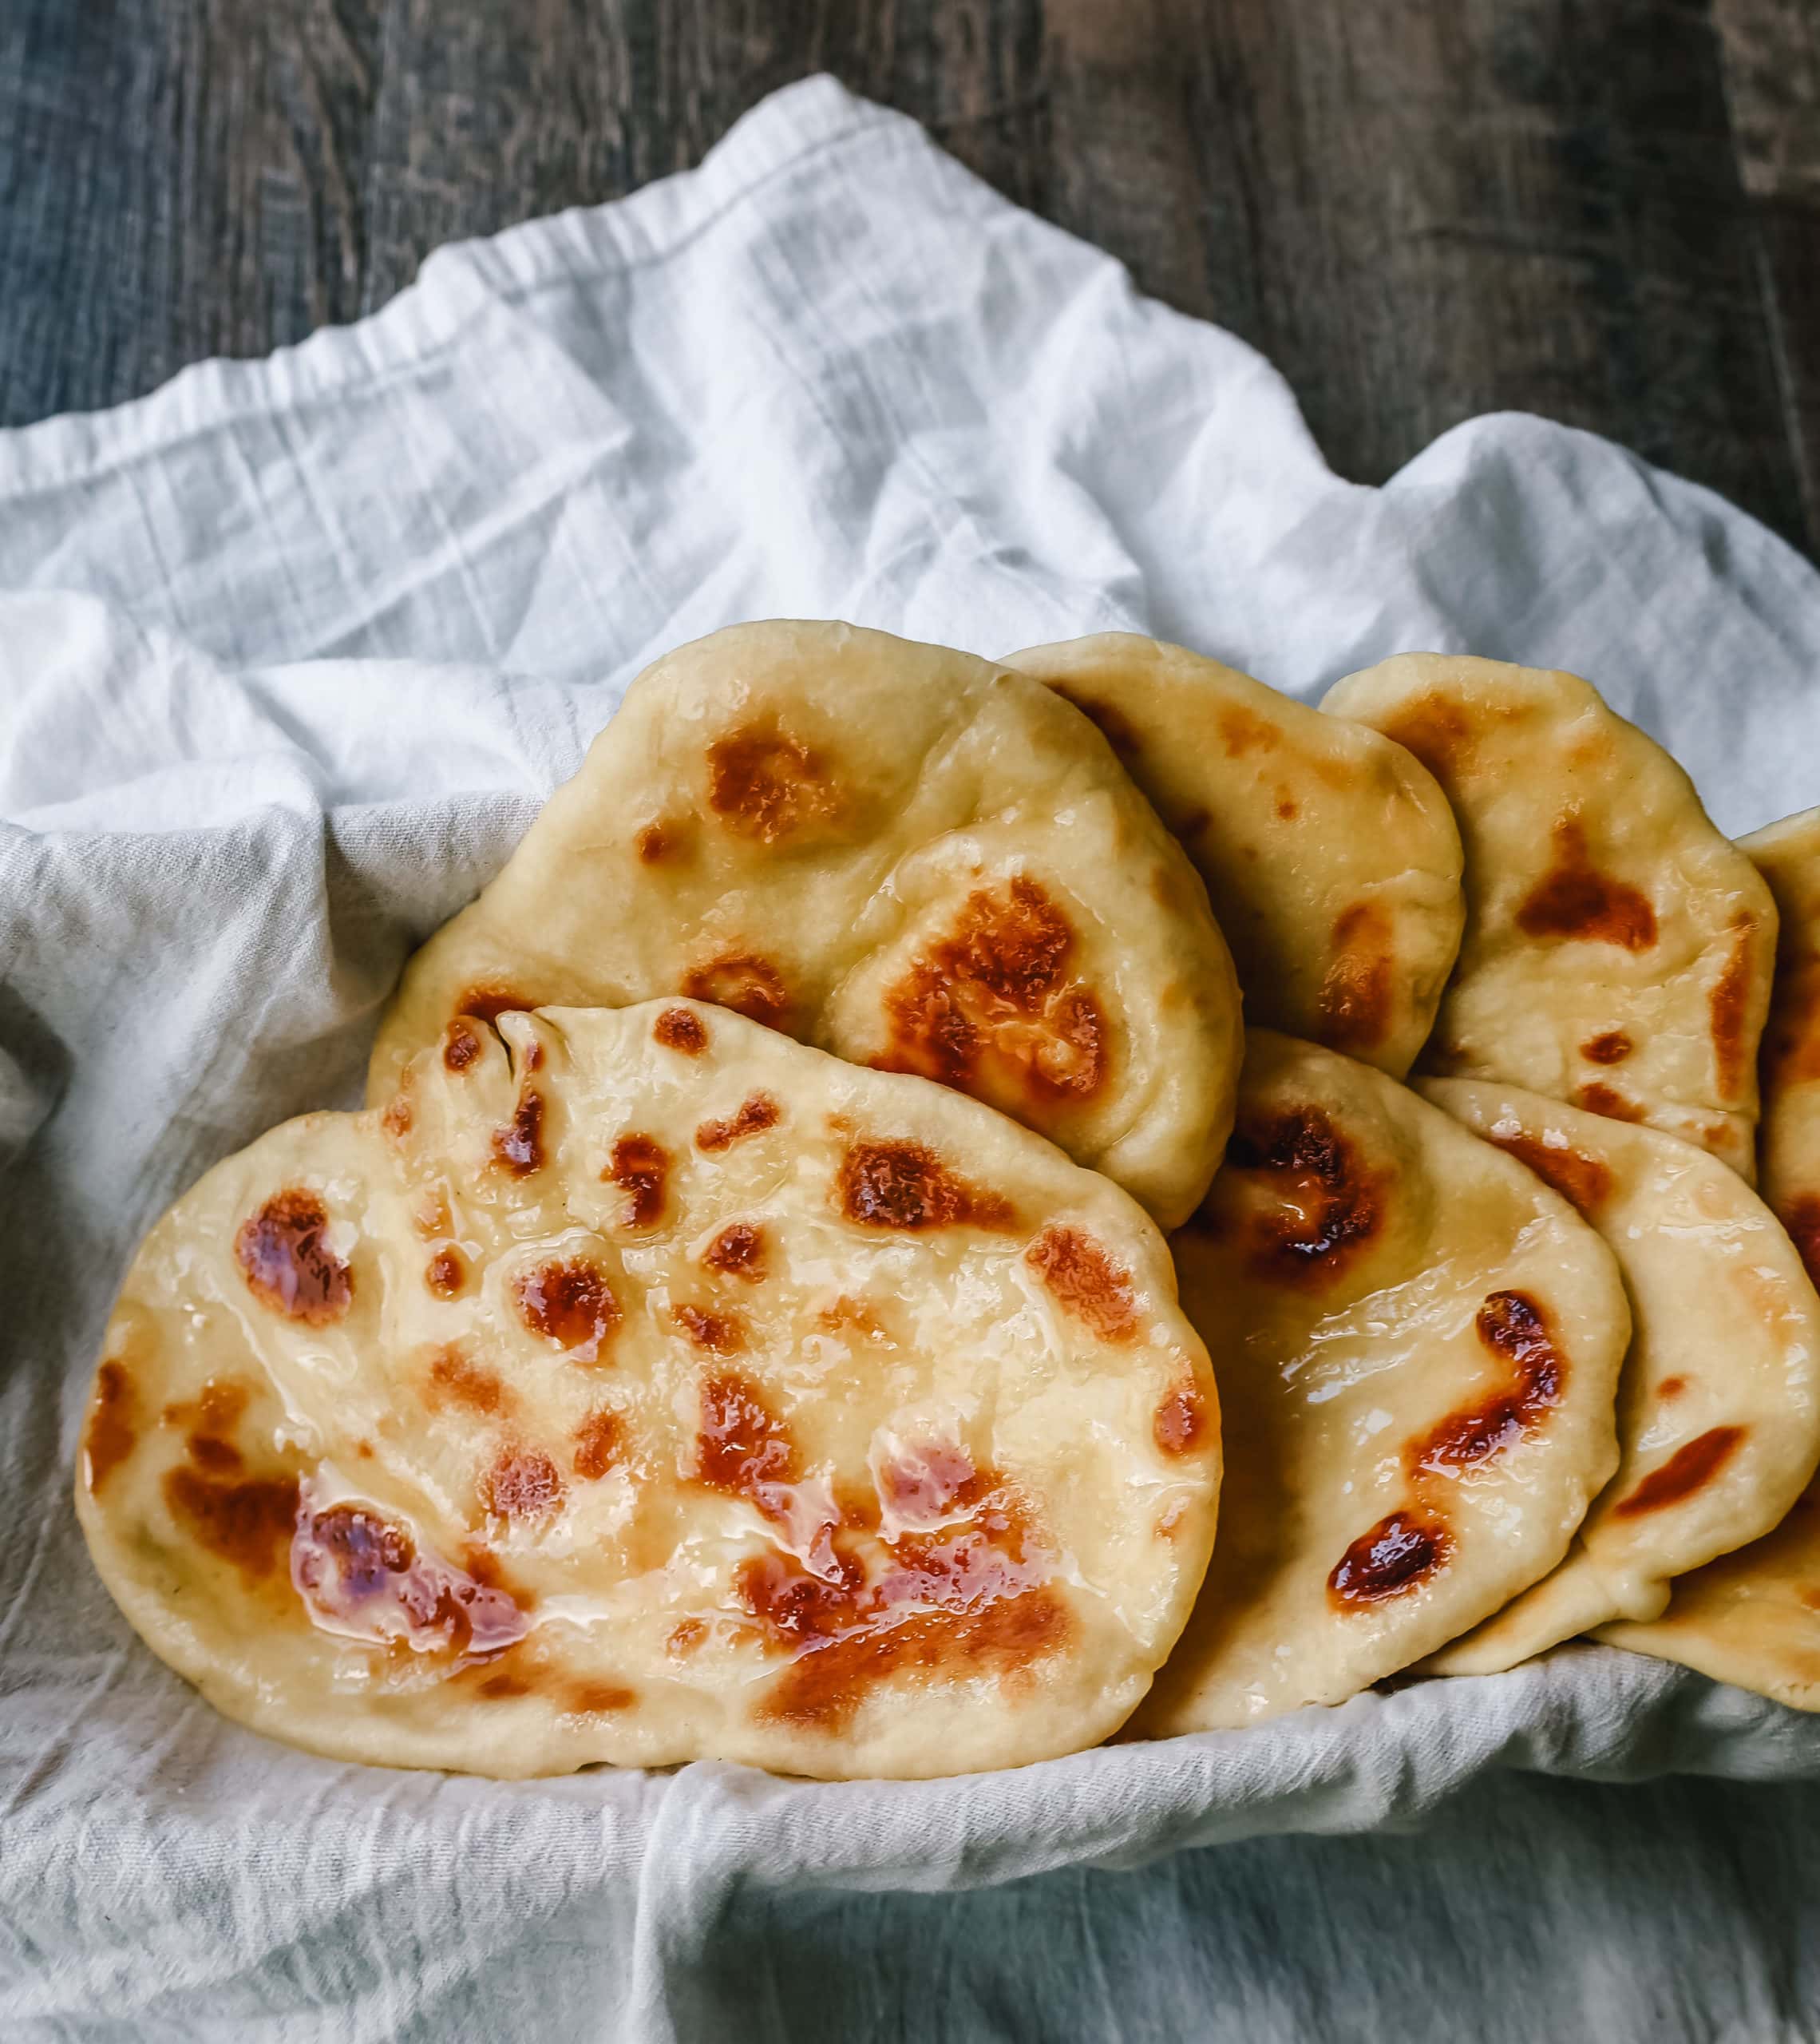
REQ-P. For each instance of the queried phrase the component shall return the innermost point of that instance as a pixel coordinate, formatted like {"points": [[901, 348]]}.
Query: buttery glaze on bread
{"points": [[1417, 1343], [1618, 950], [1718, 1408], [903, 854], [1753, 1617], [645, 1386], [1331, 857]]}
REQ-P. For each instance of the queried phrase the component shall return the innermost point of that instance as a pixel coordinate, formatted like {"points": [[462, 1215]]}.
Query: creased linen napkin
{"points": [[290, 650]]}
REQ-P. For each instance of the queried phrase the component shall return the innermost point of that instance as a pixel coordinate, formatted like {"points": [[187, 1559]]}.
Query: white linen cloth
{"points": [[289, 653]]}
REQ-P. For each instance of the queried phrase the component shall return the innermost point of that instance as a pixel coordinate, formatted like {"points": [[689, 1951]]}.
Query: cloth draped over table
{"points": [[290, 650]]}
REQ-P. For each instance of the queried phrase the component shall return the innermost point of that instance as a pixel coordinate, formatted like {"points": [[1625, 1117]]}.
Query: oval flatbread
{"points": [[1331, 857], [1753, 1617], [1618, 949], [1718, 1408], [1787, 854], [1416, 1344], [644, 1387], [903, 854]]}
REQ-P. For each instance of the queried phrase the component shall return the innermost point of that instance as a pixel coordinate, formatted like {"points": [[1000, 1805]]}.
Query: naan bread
{"points": [[1416, 1344], [1753, 1617], [646, 1387], [1718, 1408], [1618, 950], [1331, 857], [1787, 854], [905, 855]]}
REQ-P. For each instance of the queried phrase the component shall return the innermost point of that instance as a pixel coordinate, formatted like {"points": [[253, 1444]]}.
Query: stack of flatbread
{"points": [[902, 1128]]}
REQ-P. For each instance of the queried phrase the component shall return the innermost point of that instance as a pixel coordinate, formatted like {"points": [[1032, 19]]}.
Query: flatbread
{"points": [[1719, 1408], [1787, 854], [1618, 949], [1418, 1344], [1331, 857], [902, 854], [646, 1387], [1753, 1617]]}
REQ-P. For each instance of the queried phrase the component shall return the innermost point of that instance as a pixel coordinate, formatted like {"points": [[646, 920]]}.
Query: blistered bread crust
{"points": [[643, 1386], [1719, 1407], [1618, 949], [1417, 1344], [905, 855], [1331, 859], [1753, 1617]]}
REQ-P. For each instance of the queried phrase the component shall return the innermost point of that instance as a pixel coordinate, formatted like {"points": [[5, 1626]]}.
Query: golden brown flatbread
{"points": [[903, 854], [1753, 1617], [1787, 854], [1331, 857], [639, 1385], [1718, 1408], [1416, 1344], [1618, 950]]}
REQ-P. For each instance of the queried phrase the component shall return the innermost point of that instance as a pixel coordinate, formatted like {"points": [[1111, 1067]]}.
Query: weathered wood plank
{"points": [[1494, 203], [494, 114], [1131, 164], [1772, 68], [178, 178]]}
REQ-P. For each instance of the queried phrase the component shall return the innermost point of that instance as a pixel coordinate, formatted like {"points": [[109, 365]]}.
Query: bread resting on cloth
{"points": [[1753, 1617], [1331, 857], [902, 854], [1416, 1344], [1618, 949], [639, 1385], [1718, 1408]]}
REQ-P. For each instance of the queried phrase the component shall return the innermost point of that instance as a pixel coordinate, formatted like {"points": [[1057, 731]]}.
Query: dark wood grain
{"points": [[1497, 204], [496, 116], [178, 178], [1419, 209], [1772, 67]]}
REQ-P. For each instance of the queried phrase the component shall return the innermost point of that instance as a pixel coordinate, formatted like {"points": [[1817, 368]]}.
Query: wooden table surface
{"points": [[1605, 211]]}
